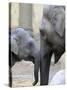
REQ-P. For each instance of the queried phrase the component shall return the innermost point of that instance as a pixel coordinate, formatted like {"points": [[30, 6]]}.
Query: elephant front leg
{"points": [[10, 77], [44, 69]]}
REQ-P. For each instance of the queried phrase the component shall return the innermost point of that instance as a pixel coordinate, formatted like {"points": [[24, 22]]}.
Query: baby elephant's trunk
{"points": [[36, 68]]}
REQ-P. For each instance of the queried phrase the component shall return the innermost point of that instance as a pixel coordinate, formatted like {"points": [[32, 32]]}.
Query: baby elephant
{"points": [[23, 46]]}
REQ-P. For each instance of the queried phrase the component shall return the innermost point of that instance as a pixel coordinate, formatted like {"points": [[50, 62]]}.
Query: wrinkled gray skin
{"points": [[23, 46], [52, 34]]}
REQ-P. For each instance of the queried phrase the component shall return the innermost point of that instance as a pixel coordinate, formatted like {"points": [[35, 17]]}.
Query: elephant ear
{"points": [[14, 46], [59, 21]]}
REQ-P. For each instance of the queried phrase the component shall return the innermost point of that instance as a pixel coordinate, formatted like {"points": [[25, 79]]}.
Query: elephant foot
{"points": [[34, 83], [43, 84], [10, 81]]}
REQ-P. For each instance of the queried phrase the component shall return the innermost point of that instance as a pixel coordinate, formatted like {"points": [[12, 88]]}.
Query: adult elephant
{"points": [[23, 46], [52, 33]]}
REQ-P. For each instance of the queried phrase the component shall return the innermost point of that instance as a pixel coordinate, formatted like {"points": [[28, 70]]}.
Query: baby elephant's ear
{"points": [[60, 23], [14, 46]]}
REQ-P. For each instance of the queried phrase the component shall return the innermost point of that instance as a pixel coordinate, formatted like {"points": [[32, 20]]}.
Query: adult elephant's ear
{"points": [[14, 46], [59, 21]]}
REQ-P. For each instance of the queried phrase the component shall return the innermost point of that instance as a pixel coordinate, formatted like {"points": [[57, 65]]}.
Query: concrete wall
{"points": [[36, 17], [26, 16], [14, 15]]}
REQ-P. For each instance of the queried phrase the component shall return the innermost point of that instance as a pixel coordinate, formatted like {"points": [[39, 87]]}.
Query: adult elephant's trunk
{"points": [[44, 68], [45, 59]]}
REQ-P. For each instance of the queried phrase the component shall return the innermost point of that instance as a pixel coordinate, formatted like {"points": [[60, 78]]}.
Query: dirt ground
{"points": [[23, 73]]}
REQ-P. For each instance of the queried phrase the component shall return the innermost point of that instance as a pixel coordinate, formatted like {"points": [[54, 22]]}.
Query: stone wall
{"points": [[26, 15], [36, 17], [14, 15]]}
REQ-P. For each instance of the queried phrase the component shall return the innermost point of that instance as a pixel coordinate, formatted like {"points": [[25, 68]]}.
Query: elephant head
{"points": [[23, 46], [52, 33], [53, 26]]}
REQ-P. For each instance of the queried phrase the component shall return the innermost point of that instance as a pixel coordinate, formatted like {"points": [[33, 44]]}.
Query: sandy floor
{"points": [[23, 74]]}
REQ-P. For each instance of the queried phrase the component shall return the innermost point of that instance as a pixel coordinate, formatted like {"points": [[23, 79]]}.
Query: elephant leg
{"points": [[10, 77], [12, 59], [10, 67], [44, 69]]}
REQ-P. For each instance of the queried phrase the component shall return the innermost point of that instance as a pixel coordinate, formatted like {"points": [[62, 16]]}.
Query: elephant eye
{"points": [[42, 32], [30, 44]]}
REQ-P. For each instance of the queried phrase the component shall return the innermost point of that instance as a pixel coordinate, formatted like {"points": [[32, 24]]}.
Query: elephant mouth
{"points": [[30, 58], [43, 34], [58, 54], [16, 57]]}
